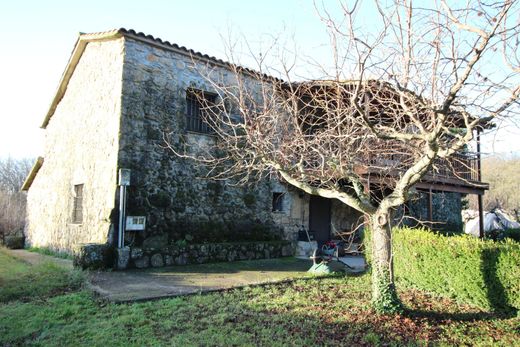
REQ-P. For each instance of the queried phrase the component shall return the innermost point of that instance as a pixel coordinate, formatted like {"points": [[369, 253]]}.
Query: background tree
{"points": [[12, 201], [503, 175], [400, 99]]}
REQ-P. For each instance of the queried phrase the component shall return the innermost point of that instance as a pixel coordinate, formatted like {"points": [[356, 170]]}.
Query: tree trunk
{"points": [[384, 295]]}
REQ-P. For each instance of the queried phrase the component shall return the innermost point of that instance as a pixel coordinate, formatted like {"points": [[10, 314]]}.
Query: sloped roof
{"points": [[32, 174], [85, 38]]}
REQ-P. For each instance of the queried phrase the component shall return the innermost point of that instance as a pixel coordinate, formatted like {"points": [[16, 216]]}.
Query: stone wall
{"points": [[81, 146], [446, 211], [167, 189], [295, 213], [141, 257], [344, 219]]}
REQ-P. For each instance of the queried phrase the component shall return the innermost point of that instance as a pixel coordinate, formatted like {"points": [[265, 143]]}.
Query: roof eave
{"points": [[32, 174]]}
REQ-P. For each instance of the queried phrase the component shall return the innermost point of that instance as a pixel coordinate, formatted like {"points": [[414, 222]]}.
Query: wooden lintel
{"points": [[449, 188]]}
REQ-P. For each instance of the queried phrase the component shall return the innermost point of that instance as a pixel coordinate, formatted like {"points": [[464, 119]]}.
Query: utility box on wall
{"points": [[124, 177], [135, 223]]}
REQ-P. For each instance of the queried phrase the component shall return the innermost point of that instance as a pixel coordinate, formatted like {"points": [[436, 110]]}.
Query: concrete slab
{"points": [[148, 284], [356, 262]]}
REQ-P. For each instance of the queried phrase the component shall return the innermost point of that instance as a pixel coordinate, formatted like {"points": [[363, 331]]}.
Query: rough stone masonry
{"points": [[120, 94]]}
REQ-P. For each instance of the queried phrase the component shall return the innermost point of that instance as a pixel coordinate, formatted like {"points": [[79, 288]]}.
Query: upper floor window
{"points": [[77, 206], [277, 202], [198, 104]]}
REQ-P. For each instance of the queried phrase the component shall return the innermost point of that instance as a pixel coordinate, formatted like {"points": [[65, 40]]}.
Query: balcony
{"points": [[458, 173]]}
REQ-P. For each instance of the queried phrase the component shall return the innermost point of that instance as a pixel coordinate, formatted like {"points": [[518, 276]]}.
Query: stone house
{"points": [[119, 92]]}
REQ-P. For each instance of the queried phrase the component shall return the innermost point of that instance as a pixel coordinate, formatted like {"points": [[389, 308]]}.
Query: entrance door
{"points": [[319, 218]]}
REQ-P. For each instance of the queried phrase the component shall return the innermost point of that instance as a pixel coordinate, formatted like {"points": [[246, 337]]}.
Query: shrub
{"points": [[513, 234], [15, 241], [484, 273]]}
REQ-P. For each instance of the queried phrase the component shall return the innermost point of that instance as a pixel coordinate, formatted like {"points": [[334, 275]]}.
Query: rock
{"points": [[156, 242], [168, 260], [161, 200], [157, 260], [287, 251], [232, 256], [181, 260], [202, 260], [142, 262], [136, 253], [93, 256]]}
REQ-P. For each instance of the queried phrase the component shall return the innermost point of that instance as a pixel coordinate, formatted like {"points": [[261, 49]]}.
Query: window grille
{"points": [[197, 109]]}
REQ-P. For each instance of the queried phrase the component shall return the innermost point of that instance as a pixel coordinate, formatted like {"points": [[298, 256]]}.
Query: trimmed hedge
{"points": [[513, 234], [484, 273]]}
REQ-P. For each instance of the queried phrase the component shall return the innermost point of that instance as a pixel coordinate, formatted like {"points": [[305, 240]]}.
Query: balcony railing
{"points": [[461, 168]]}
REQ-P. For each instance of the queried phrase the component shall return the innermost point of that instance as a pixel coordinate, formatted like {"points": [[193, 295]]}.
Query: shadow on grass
{"points": [[39, 282], [495, 291], [459, 316], [317, 312], [222, 321]]}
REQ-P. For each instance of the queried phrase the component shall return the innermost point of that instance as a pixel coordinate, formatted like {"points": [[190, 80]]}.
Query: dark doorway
{"points": [[319, 218]]}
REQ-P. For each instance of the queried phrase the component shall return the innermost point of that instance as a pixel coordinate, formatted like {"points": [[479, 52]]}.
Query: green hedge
{"points": [[484, 273], [512, 234]]}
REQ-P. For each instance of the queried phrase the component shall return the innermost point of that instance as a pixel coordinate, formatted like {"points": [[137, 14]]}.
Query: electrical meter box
{"points": [[135, 223]]}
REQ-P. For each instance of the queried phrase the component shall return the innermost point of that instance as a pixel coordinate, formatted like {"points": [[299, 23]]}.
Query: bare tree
{"points": [[503, 175], [400, 100], [12, 201]]}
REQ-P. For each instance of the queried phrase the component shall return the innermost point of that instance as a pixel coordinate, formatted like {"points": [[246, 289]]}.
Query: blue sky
{"points": [[37, 38]]}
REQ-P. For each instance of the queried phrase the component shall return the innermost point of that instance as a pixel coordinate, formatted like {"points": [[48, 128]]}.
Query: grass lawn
{"points": [[24, 282], [46, 251], [330, 311]]}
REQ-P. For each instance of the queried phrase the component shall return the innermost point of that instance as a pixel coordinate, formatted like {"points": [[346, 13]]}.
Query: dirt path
{"points": [[34, 258]]}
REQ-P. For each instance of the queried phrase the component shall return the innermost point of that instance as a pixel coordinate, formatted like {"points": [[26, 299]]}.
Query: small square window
{"points": [[198, 104], [77, 209], [278, 202]]}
